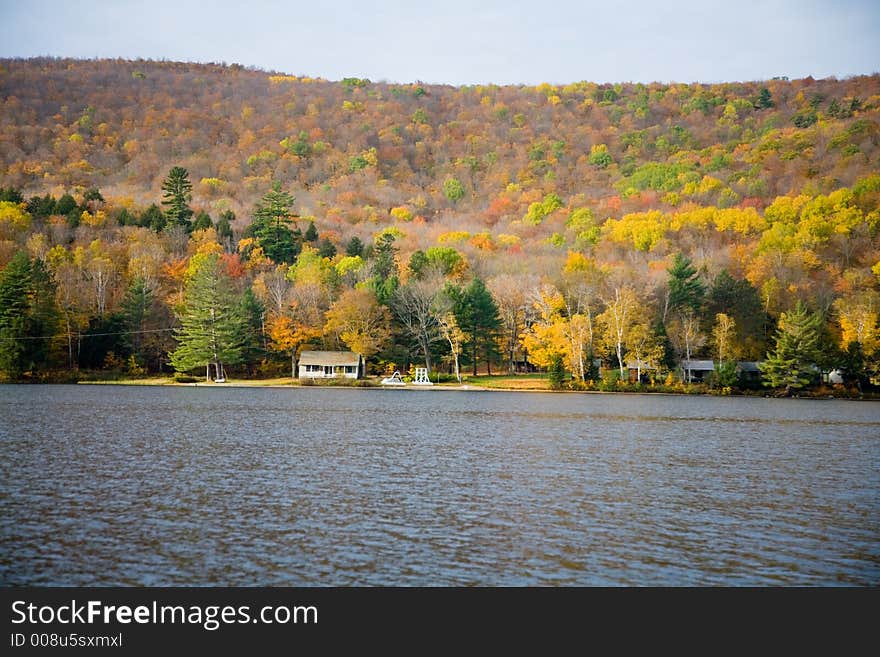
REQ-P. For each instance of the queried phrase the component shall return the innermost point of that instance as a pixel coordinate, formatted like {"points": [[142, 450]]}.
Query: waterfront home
{"points": [[697, 371], [330, 364]]}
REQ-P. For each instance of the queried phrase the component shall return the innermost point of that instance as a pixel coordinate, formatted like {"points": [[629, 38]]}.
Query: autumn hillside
{"points": [[351, 150], [771, 186]]}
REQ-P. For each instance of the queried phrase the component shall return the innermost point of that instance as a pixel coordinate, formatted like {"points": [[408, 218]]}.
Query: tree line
{"points": [[794, 286]]}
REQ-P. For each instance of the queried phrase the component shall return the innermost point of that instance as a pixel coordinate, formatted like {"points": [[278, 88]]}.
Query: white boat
{"points": [[393, 380]]}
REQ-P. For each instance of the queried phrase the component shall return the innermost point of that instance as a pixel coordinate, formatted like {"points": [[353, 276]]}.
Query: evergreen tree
{"points": [[178, 194], [311, 234], [791, 364], [254, 314], [326, 248], [213, 329], [740, 300], [125, 218], [65, 205], [385, 279], [765, 99], [271, 226], [41, 206], [11, 195], [135, 311], [686, 291], [202, 221], [28, 315], [477, 315], [355, 247], [556, 373], [418, 263], [224, 225], [153, 218]]}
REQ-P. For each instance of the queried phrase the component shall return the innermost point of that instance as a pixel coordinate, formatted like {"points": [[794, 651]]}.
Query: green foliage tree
{"points": [[791, 365], [453, 189], [739, 299], [418, 263], [599, 156], [202, 221], [853, 365], [355, 247], [254, 347], [153, 218], [212, 327], [136, 307], [41, 206], [224, 225], [177, 190], [11, 195], [28, 315], [326, 248], [556, 373], [686, 290], [765, 99], [65, 204], [477, 315], [271, 226], [385, 273], [311, 234]]}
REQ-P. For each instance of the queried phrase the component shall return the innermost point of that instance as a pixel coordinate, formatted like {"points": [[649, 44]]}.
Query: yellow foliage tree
{"points": [[360, 322]]}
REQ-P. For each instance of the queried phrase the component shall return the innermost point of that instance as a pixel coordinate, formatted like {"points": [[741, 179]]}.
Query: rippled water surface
{"points": [[251, 486]]}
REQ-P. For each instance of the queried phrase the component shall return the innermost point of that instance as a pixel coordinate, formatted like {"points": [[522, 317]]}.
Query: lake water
{"points": [[258, 486]]}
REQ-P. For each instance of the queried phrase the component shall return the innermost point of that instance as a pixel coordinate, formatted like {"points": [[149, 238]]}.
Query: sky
{"points": [[466, 41]]}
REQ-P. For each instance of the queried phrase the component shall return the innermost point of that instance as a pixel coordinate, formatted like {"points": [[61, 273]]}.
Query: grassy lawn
{"points": [[494, 382], [509, 382]]}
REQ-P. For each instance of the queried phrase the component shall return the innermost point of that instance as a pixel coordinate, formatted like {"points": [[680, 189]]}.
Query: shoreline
{"points": [[465, 387]]}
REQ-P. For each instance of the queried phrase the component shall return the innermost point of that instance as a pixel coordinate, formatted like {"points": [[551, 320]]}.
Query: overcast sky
{"points": [[466, 41]]}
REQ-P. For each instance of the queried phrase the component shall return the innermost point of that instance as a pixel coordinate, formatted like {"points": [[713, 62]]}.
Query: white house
{"points": [[330, 364]]}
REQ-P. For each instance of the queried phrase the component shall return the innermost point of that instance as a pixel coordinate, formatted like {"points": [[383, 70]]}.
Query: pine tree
{"points": [[791, 364], [355, 247], [254, 314], [213, 329], [477, 314], [556, 373], [178, 194], [311, 234], [271, 226], [14, 308], [224, 225], [686, 290], [28, 314], [385, 279], [202, 221], [135, 309]]}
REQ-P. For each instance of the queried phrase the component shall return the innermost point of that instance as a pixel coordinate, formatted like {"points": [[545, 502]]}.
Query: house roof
{"points": [[639, 364], [329, 358], [748, 366], [698, 365]]}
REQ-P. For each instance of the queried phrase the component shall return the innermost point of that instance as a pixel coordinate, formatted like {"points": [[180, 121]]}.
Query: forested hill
{"points": [[356, 148], [412, 222]]}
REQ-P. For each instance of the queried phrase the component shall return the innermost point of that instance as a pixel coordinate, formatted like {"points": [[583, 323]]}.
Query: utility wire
{"points": [[84, 335]]}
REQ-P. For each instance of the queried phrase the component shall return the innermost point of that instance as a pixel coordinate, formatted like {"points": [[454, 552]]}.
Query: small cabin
{"points": [[748, 371], [697, 371], [330, 365]]}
